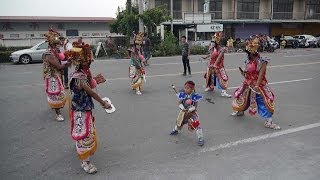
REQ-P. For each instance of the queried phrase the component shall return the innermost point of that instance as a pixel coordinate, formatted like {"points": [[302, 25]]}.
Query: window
{"points": [[177, 7], [43, 46], [312, 9], [215, 8], [1, 36], [72, 32], [42, 35], [95, 34], [14, 35], [85, 34], [29, 35], [282, 9], [248, 9]]}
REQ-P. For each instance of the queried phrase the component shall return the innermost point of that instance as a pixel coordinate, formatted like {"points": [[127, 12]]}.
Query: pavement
{"points": [[134, 142]]}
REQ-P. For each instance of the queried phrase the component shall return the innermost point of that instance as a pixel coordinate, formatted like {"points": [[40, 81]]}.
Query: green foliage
{"points": [[199, 50], [11, 48], [5, 56], [128, 21], [168, 47], [154, 17]]}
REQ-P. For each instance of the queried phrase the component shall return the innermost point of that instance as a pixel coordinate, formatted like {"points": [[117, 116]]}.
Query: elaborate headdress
{"points": [[79, 53], [253, 45], [52, 37], [138, 40], [216, 37]]}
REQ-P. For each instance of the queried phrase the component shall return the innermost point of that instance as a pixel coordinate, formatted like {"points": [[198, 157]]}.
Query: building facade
{"points": [[242, 18], [28, 31]]}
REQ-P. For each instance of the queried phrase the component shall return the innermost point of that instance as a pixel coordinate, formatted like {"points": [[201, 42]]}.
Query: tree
{"points": [[154, 17], [128, 21]]}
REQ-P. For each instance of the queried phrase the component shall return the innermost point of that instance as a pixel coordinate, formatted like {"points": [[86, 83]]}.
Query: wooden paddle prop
{"points": [[101, 79]]}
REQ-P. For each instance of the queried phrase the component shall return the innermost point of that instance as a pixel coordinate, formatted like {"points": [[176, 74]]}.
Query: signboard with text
{"points": [[209, 27]]}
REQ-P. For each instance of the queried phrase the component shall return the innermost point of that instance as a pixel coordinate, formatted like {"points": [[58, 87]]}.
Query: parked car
{"points": [[291, 42], [306, 40], [33, 54], [318, 40]]}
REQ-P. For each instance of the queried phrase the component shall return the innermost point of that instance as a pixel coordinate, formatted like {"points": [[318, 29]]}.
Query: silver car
{"points": [[33, 54]]}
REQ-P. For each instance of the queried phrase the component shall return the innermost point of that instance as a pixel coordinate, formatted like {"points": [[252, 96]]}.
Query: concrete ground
{"points": [[134, 142]]}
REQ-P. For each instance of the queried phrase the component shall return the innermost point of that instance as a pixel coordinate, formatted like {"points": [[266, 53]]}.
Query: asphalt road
{"points": [[134, 142]]}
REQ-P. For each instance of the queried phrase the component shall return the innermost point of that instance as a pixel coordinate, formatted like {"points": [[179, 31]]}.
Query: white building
{"points": [[29, 30]]}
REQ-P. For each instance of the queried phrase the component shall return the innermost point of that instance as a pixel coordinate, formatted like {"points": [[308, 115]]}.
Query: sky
{"points": [[69, 8]]}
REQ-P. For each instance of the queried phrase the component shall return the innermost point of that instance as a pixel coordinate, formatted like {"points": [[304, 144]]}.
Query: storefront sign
{"points": [[209, 27]]}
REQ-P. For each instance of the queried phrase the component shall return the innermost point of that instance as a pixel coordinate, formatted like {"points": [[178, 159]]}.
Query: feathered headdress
{"points": [[253, 45], [216, 37], [138, 40], [79, 53], [52, 37]]}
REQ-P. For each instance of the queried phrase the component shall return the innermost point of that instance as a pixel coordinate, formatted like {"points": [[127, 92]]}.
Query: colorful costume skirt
{"points": [[84, 133], [263, 101], [136, 79], [56, 95], [216, 77], [187, 118]]}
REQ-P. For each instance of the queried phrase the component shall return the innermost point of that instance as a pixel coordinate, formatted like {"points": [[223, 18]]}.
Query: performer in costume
{"points": [[136, 70], [83, 130], [52, 73], [254, 93], [216, 74], [188, 102]]}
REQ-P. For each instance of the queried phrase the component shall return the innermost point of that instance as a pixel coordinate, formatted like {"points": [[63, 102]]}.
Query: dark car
{"points": [[291, 42]]}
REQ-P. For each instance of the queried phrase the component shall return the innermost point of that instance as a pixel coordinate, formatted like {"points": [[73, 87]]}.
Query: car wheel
{"points": [[25, 59]]}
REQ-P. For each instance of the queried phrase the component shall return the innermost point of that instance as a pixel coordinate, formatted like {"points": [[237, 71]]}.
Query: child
{"points": [[188, 102]]}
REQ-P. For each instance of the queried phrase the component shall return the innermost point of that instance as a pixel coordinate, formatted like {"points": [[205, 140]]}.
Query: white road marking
{"points": [[29, 72], [165, 75], [41, 84], [302, 55], [259, 138], [201, 72], [279, 82]]}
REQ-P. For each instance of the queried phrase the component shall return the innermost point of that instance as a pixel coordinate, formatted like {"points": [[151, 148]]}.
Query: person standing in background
{"points": [[185, 56], [146, 49]]}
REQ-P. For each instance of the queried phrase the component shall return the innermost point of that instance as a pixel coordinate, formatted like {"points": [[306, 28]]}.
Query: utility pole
{"points": [[140, 5], [171, 14]]}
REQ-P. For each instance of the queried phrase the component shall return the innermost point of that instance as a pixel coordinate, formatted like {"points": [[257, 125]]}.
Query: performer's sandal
{"points": [[59, 117], [200, 142], [271, 125], [225, 94], [88, 167], [237, 113], [138, 92], [174, 132]]}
